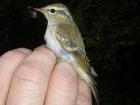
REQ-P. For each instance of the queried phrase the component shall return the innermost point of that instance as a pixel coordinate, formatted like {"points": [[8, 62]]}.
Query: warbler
{"points": [[64, 38]]}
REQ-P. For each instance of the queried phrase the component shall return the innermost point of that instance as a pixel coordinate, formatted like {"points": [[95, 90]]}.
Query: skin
{"points": [[33, 78]]}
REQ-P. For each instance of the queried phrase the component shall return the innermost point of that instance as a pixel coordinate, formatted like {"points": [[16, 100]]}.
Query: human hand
{"points": [[33, 78]]}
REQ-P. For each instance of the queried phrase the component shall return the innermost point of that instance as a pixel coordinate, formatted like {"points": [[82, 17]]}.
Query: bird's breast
{"points": [[54, 45], [51, 40]]}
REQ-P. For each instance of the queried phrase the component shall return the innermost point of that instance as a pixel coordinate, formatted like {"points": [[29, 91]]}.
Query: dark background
{"points": [[110, 29]]}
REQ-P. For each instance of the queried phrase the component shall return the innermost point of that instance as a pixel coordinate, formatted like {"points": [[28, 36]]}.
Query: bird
{"points": [[64, 38]]}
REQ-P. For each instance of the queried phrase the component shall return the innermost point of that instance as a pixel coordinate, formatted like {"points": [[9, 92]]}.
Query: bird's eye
{"points": [[52, 10]]}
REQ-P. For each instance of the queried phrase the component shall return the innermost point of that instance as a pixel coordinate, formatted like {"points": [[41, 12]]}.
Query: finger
{"points": [[84, 95], [30, 81], [8, 64], [63, 86]]}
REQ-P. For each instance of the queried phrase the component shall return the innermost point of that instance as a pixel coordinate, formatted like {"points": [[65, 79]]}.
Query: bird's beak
{"points": [[40, 10]]}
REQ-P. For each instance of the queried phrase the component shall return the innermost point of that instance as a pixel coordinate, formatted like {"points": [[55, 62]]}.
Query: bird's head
{"points": [[56, 13]]}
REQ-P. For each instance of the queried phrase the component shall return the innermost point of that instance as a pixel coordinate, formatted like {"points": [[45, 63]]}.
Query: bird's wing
{"points": [[69, 36], [70, 39]]}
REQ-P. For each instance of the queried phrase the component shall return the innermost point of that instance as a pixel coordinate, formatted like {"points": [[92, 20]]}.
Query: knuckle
{"points": [[29, 65], [12, 54], [46, 51], [26, 79], [67, 84], [32, 66], [29, 72]]}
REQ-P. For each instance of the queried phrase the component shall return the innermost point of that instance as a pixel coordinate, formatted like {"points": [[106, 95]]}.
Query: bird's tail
{"points": [[86, 72], [94, 91]]}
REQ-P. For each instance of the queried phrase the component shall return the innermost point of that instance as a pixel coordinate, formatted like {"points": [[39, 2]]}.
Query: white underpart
{"points": [[54, 45]]}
